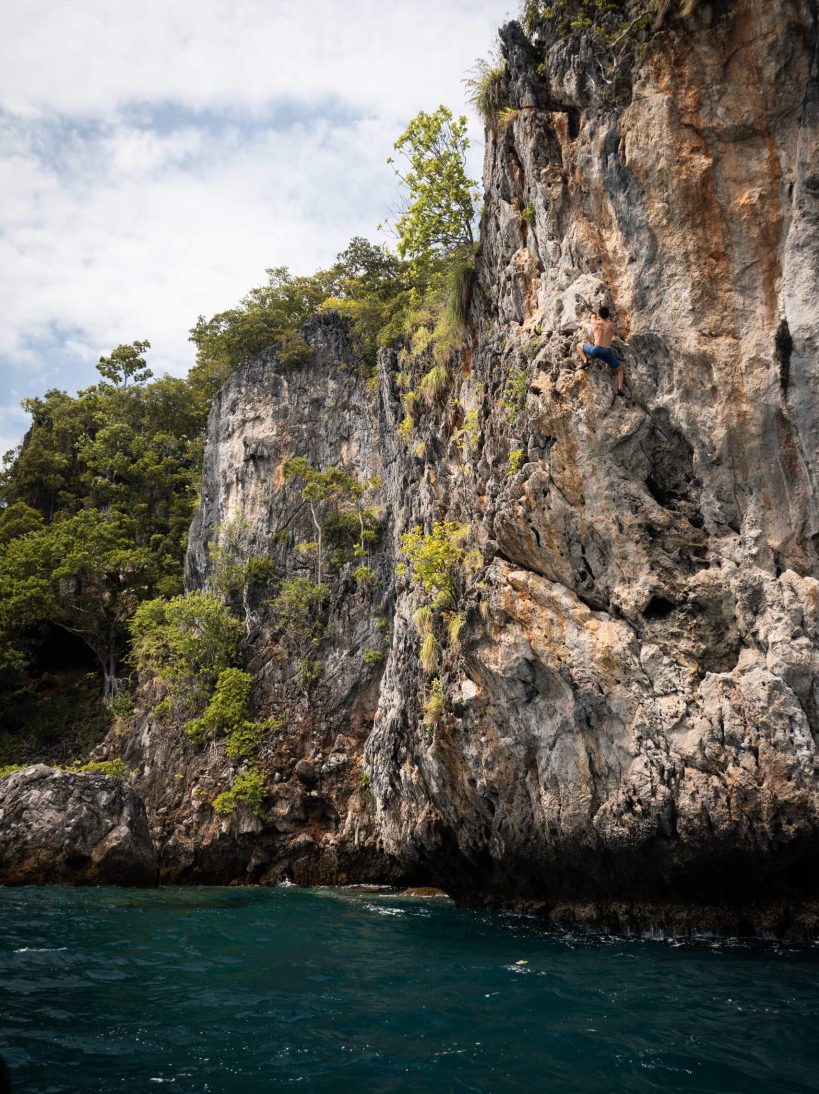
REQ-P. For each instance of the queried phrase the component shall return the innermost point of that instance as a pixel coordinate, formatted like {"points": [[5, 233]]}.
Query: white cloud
{"points": [[156, 158]]}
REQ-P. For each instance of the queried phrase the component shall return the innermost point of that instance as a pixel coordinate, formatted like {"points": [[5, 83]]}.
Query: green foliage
{"points": [[365, 574], [248, 789], [433, 382], [515, 461], [116, 769], [298, 612], [466, 438], [310, 670], [96, 504], [405, 429], [364, 780], [429, 652], [9, 769], [515, 393], [53, 718], [186, 643], [436, 556], [371, 658], [434, 705], [617, 30], [228, 715], [487, 89], [82, 574], [528, 215], [439, 209], [268, 316], [233, 572], [18, 519], [337, 507], [366, 284], [373, 291], [126, 365]]}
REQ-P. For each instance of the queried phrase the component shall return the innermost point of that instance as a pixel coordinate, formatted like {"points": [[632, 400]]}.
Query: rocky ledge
{"points": [[63, 828]]}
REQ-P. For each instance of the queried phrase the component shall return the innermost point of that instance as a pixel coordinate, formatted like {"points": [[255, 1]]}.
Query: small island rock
{"points": [[67, 828]]}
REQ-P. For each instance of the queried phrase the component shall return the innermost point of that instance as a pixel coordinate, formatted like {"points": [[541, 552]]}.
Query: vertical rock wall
{"points": [[631, 709], [633, 713]]}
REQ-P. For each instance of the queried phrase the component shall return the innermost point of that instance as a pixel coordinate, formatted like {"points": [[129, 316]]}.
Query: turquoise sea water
{"points": [[267, 989]]}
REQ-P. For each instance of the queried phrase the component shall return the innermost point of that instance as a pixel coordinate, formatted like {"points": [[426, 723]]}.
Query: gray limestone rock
{"points": [[631, 709], [60, 827]]}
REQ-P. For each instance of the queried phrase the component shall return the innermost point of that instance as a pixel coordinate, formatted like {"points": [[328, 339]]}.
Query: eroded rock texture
{"points": [[63, 828], [638, 706], [632, 708], [318, 821]]}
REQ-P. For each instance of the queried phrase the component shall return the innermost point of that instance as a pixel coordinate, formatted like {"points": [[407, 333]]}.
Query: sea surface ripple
{"points": [[223, 990]]}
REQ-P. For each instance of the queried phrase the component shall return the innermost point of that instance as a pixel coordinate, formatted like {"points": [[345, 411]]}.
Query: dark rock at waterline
{"points": [[60, 827]]}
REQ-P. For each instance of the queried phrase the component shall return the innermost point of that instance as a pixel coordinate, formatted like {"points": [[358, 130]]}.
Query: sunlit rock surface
{"points": [[632, 709]]}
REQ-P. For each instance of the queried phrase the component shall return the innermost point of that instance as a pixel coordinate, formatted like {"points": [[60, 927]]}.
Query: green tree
{"points": [[125, 365], [17, 520], [124, 445], [185, 643], [322, 490], [83, 575], [438, 211], [268, 315]]}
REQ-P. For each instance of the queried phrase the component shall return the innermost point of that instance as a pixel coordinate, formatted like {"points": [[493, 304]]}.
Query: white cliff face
{"points": [[631, 711]]}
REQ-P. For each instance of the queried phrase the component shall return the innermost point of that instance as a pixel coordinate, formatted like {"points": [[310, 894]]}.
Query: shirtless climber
{"points": [[603, 331]]}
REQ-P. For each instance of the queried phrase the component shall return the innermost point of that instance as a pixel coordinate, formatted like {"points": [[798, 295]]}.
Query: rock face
{"points": [[318, 825], [57, 827], [631, 709], [635, 714]]}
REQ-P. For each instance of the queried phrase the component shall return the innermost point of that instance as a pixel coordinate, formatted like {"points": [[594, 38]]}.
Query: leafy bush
{"points": [[466, 438], [372, 657], [515, 393], [436, 556], [515, 461], [228, 715], [405, 429], [9, 769], [298, 610], [248, 789], [185, 643], [116, 769]]}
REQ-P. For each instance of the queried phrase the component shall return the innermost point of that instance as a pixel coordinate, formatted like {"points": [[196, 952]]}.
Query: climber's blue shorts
{"points": [[603, 353]]}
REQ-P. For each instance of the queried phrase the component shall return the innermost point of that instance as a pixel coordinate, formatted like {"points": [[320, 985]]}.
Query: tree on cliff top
{"points": [[438, 212]]}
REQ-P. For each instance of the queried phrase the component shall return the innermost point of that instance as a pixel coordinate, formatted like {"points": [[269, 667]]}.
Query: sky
{"points": [[156, 158]]}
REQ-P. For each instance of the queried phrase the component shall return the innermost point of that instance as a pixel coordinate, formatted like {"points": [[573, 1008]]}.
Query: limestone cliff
{"points": [[631, 708]]}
